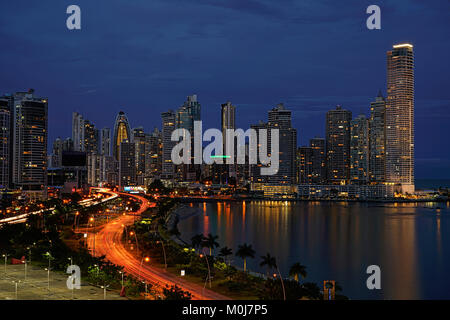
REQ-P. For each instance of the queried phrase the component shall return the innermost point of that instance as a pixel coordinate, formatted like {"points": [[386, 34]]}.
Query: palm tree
{"points": [[225, 252], [210, 242], [197, 240], [245, 251], [268, 261], [296, 270]]}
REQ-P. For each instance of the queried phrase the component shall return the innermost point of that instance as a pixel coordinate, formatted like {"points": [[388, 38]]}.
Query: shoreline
{"points": [[214, 200]]}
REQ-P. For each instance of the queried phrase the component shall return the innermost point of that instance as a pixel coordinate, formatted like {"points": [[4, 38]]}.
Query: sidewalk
{"points": [[34, 287]]}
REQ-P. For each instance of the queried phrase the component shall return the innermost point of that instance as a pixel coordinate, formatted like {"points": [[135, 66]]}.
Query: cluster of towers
{"points": [[378, 149]]}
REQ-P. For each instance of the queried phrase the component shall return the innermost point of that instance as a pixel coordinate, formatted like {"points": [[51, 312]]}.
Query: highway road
{"points": [[108, 242]]}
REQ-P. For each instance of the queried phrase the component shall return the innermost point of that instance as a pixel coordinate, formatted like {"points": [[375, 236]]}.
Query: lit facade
{"points": [[400, 117]]}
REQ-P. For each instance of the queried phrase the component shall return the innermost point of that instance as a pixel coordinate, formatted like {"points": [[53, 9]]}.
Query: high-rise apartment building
{"points": [[78, 132], [281, 118], [90, 138], [140, 142], [319, 169], [6, 106], [377, 140], [305, 165], [153, 155], [189, 112], [359, 150], [30, 143], [400, 117], [338, 145], [168, 126], [127, 160]]}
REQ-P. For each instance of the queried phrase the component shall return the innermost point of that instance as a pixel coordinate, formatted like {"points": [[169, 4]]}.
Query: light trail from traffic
{"points": [[108, 242]]}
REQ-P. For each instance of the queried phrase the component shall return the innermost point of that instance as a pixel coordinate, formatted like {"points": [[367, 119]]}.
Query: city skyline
{"points": [[284, 56]]}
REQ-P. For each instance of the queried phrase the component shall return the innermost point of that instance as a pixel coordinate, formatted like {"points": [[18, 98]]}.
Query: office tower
{"points": [[305, 165], [105, 142], [228, 119], [5, 141], [338, 145], [153, 154], [255, 169], [78, 132], [90, 138], [121, 133], [359, 150], [319, 169], [377, 140], [168, 126], [127, 160], [400, 117], [139, 140], [185, 117], [57, 150], [30, 143], [281, 118]]}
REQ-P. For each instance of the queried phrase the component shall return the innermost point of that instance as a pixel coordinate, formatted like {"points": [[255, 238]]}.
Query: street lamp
{"points": [[48, 279], [6, 258], [209, 270], [121, 272], [104, 291], [164, 251], [147, 259], [16, 283]]}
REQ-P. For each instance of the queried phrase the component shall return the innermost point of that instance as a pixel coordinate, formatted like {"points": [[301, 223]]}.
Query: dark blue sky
{"points": [[146, 56]]}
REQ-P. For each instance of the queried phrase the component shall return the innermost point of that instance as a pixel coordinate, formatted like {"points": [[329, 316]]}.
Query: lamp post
{"points": [[104, 291], [147, 259], [48, 279], [164, 251], [6, 258], [92, 219], [16, 283], [209, 270], [121, 272]]}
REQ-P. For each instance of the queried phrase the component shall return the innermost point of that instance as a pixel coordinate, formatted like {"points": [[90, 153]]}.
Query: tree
{"points": [[176, 293], [268, 261], [75, 197], [197, 240], [210, 242], [225, 252], [296, 270], [245, 251]]}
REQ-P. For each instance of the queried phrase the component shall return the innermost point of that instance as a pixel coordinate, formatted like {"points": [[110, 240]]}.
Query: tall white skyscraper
{"points": [[400, 117]]}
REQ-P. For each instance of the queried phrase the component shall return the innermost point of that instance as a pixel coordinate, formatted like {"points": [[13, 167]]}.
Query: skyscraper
{"points": [[78, 132], [5, 141], [281, 118], [377, 140], [121, 133], [168, 126], [127, 160], [90, 138], [153, 155], [305, 165], [57, 150], [338, 145], [30, 143], [189, 112], [105, 142], [139, 140], [228, 119], [359, 150], [400, 117], [319, 169]]}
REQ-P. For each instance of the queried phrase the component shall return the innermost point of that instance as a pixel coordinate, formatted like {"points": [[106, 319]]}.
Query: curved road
{"points": [[108, 242]]}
